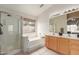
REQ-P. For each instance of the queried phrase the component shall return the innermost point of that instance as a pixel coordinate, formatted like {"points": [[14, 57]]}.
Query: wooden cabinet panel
{"points": [[74, 47], [47, 41], [63, 46], [74, 52], [53, 43]]}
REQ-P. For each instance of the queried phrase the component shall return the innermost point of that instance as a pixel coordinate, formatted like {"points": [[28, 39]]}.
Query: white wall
{"points": [[43, 24], [43, 19]]}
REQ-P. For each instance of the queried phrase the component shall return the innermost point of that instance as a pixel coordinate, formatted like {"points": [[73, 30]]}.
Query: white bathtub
{"points": [[32, 43]]}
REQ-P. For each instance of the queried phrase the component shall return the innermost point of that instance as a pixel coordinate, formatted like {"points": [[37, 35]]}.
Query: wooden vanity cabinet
{"points": [[63, 46], [53, 43], [47, 41], [57, 44], [74, 47]]}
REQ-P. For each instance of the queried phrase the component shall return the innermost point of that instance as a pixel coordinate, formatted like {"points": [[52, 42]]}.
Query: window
{"points": [[28, 26]]}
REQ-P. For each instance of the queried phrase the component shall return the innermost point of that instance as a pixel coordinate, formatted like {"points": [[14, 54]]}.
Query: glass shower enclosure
{"points": [[10, 37]]}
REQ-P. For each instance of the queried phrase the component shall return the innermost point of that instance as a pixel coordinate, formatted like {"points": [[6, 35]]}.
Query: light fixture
{"points": [[71, 10], [41, 5]]}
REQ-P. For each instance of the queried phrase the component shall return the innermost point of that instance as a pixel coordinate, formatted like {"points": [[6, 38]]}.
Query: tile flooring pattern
{"points": [[41, 51], [44, 51]]}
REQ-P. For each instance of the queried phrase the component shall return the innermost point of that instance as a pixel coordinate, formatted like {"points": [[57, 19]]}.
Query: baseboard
{"points": [[11, 52]]}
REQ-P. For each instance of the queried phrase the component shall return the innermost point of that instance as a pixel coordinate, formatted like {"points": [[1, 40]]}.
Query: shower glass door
{"points": [[10, 39]]}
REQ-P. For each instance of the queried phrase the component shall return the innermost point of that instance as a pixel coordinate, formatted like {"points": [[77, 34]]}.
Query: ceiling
{"points": [[34, 9], [31, 9]]}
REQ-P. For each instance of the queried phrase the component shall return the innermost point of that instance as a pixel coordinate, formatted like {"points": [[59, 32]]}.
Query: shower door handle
{"points": [[1, 29], [1, 25]]}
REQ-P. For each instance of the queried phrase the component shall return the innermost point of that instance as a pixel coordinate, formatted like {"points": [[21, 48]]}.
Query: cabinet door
{"points": [[74, 47], [63, 46], [47, 41], [53, 43]]}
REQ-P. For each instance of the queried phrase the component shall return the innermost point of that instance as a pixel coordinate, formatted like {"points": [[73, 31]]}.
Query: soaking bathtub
{"points": [[31, 43]]}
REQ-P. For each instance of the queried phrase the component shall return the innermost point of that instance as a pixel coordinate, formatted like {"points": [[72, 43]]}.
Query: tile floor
{"points": [[41, 51], [44, 51]]}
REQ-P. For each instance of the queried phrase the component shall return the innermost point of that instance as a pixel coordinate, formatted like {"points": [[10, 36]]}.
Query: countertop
{"points": [[72, 36]]}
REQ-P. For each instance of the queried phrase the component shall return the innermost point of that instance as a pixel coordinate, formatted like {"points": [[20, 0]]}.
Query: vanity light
{"points": [[66, 12], [72, 10], [30, 23]]}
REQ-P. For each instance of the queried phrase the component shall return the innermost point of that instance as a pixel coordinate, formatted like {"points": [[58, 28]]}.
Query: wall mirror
{"points": [[73, 22], [65, 23], [58, 24]]}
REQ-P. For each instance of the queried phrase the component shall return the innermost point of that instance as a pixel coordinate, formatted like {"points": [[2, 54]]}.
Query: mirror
{"points": [[58, 24], [65, 23], [73, 22]]}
